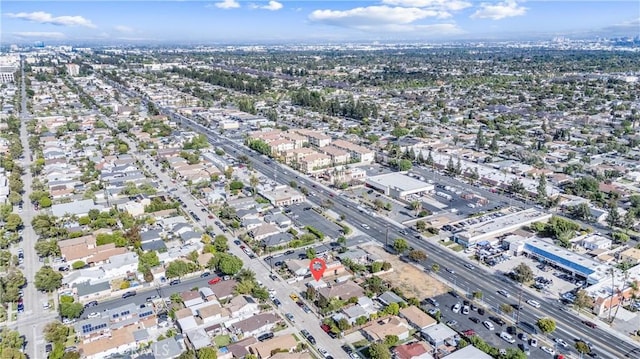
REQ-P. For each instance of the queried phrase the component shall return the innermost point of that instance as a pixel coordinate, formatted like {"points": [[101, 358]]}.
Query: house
{"points": [[416, 317], [389, 297], [438, 334], [213, 314], [191, 298], [75, 208], [264, 231], [279, 220], [377, 331], [242, 306], [364, 308], [254, 325], [593, 241], [264, 349], [415, 350], [278, 239], [166, 349], [87, 291], [299, 267], [469, 352], [356, 255], [197, 339], [343, 291], [240, 349], [282, 196], [630, 255], [224, 289]]}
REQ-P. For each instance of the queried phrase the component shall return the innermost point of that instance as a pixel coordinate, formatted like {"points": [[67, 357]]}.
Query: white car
{"points": [[561, 343], [548, 350], [488, 325], [465, 310], [533, 303], [365, 226], [504, 293], [533, 342], [93, 315], [456, 308], [507, 337]]}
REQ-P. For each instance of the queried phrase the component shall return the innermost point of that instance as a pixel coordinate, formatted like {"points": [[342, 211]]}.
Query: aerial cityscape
{"points": [[406, 179]]}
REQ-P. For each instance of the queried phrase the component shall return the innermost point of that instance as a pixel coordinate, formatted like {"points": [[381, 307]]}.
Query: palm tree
{"points": [[245, 274], [416, 206], [625, 273]]}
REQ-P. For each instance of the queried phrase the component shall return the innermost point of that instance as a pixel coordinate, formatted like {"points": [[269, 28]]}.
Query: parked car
{"points": [[487, 324], [205, 274], [215, 280], [92, 303], [174, 282]]}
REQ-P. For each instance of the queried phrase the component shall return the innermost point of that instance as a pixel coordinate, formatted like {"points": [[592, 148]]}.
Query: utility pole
{"points": [[519, 306]]}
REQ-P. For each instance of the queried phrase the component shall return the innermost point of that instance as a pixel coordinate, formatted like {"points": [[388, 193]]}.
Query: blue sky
{"points": [[280, 20]]}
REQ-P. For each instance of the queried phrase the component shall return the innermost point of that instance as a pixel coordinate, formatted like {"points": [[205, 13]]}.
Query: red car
{"points": [[469, 332], [589, 324], [214, 280]]}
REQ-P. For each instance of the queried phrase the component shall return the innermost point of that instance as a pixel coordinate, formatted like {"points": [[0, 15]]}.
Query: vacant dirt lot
{"points": [[412, 281]]}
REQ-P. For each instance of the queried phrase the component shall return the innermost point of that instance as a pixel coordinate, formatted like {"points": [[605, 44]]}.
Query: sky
{"points": [[281, 21]]}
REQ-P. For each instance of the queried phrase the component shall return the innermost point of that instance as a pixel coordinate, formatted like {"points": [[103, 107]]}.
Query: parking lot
{"points": [[304, 215], [474, 322]]}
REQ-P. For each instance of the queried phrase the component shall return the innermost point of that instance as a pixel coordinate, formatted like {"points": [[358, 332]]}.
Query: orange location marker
{"points": [[317, 268]]}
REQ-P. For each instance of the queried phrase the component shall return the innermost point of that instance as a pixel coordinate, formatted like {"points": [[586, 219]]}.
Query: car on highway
{"points": [[365, 226], [548, 350], [450, 270], [128, 294], [504, 293], [174, 282], [487, 324], [533, 303], [152, 298], [215, 280], [561, 342], [290, 251], [205, 274], [470, 266], [589, 324]]}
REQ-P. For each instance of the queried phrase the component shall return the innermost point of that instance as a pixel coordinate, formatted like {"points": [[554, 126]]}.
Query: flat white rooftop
{"points": [[400, 181], [504, 224]]}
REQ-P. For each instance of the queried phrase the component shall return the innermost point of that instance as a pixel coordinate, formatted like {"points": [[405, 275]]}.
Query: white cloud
{"points": [[498, 11], [46, 18], [422, 30], [40, 34], [123, 28], [372, 16], [226, 4], [449, 5], [273, 6]]}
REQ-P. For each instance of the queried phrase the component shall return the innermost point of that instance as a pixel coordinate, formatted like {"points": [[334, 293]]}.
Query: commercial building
{"points": [[398, 185], [6, 74], [578, 265], [490, 230]]}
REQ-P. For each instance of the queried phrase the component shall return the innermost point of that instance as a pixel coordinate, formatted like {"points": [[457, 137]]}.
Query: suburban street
{"points": [[32, 321]]}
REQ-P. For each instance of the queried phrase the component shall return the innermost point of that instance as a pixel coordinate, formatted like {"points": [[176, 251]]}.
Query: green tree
{"points": [[392, 309], [481, 141], [523, 273], [148, 260], [541, 190], [206, 353], [435, 267], [400, 245], [417, 255], [391, 340], [71, 310], [229, 264], [506, 308], [582, 347], [379, 351], [220, 242], [311, 253], [13, 223], [613, 216], [47, 279], [546, 325], [404, 165], [582, 300], [56, 332]]}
